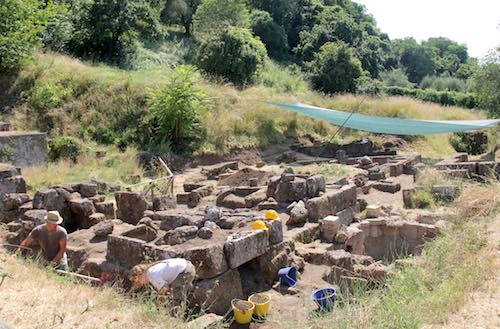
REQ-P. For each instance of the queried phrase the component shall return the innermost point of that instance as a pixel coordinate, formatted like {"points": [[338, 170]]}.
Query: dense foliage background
{"points": [[331, 46]]}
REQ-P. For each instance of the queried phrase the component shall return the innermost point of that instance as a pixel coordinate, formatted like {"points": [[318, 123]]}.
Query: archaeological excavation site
{"points": [[315, 217]]}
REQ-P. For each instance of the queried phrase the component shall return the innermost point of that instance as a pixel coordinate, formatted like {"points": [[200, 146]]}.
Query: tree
{"points": [[233, 54], [22, 23], [271, 34], [107, 30], [215, 15], [335, 68], [180, 12], [334, 25], [417, 60], [486, 83], [177, 110]]}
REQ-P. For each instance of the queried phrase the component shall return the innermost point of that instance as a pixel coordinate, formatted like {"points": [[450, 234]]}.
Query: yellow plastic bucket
{"points": [[242, 316], [261, 308]]}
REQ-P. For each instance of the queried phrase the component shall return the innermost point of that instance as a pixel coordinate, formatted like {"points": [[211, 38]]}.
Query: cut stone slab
{"points": [[104, 228], [386, 186], [207, 321], [106, 208], [141, 232], [314, 185], [299, 214], [128, 252], [215, 295], [331, 203], [346, 216], [244, 246], [330, 225], [87, 190], [170, 221], [233, 202], [180, 235], [12, 201], [275, 231], [82, 209], [164, 202], [130, 206], [374, 211], [36, 216], [209, 260]]}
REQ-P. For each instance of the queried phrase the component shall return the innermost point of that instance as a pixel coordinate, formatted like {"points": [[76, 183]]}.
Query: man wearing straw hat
{"points": [[52, 239]]}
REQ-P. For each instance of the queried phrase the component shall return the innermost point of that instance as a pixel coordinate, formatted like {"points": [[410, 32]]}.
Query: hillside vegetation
{"points": [[96, 103]]}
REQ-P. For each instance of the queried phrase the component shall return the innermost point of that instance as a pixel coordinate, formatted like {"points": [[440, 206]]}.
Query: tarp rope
{"points": [[386, 125]]}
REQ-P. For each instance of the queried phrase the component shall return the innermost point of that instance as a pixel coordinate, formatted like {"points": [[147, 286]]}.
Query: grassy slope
{"points": [[99, 102]]}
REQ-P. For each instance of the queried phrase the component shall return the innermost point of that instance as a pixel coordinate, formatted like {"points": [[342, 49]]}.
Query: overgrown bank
{"points": [[66, 97]]}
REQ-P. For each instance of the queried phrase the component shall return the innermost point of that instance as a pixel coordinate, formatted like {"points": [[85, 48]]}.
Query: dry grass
{"points": [[113, 167], [35, 298]]}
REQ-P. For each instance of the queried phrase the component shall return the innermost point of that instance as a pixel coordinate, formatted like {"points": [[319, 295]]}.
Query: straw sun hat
{"points": [[53, 217]]}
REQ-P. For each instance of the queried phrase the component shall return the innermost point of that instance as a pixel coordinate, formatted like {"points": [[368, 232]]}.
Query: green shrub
{"points": [[423, 199], [443, 83], [289, 79], [48, 95], [233, 54], [64, 147], [177, 109], [368, 86], [472, 143], [213, 16], [271, 34], [335, 68], [21, 25], [453, 98], [395, 78]]}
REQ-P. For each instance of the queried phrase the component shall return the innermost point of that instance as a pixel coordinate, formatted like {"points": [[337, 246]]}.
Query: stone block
{"points": [[107, 208], [213, 171], [130, 206], [81, 210], [196, 195], [104, 228], [207, 321], [141, 232], [270, 203], [346, 216], [188, 187], [183, 197], [374, 211], [275, 231], [299, 214], [36, 216], [396, 169], [12, 201], [96, 218], [170, 221], [209, 260], [253, 199], [314, 185], [180, 235], [387, 186], [87, 190], [98, 198], [215, 295], [330, 225], [408, 197], [331, 202], [244, 246], [126, 251], [48, 199], [164, 202], [291, 191], [446, 193], [233, 202]]}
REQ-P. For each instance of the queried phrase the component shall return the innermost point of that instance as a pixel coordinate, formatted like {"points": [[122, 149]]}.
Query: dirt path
{"points": [[483, 309]]}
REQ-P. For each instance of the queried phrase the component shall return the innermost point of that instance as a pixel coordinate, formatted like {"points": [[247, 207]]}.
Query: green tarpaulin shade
{"points": [[385, 125]]}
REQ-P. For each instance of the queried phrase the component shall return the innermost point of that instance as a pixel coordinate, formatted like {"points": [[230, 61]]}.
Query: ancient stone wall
{"points": [[23, 149]]}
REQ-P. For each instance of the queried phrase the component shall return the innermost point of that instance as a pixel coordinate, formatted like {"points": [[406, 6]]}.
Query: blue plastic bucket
{"points": [[288, 276], [324, 298]]}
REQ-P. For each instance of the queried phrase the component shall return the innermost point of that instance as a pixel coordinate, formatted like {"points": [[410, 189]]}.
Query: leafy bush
{"points": [[335, 68], [453, 98], [395, 78], [423, 199], [64, 147], [472, 143], [233, 54], [289, 79], [110, 30], [442, 83], [48, 95], [368, 86], [271, 34], [213, 16], [486, 83], [177, 109], [21, 24]]}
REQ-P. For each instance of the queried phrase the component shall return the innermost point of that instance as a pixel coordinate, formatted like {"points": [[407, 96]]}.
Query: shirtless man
{"points": [[52, 239]]}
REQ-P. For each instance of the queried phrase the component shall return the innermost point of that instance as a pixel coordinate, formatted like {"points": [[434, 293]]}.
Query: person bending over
{"points": [[52, 239], [173, 275]]}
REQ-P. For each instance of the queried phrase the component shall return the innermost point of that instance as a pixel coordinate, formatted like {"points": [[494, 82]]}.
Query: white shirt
{"points": [[166, 272]]}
